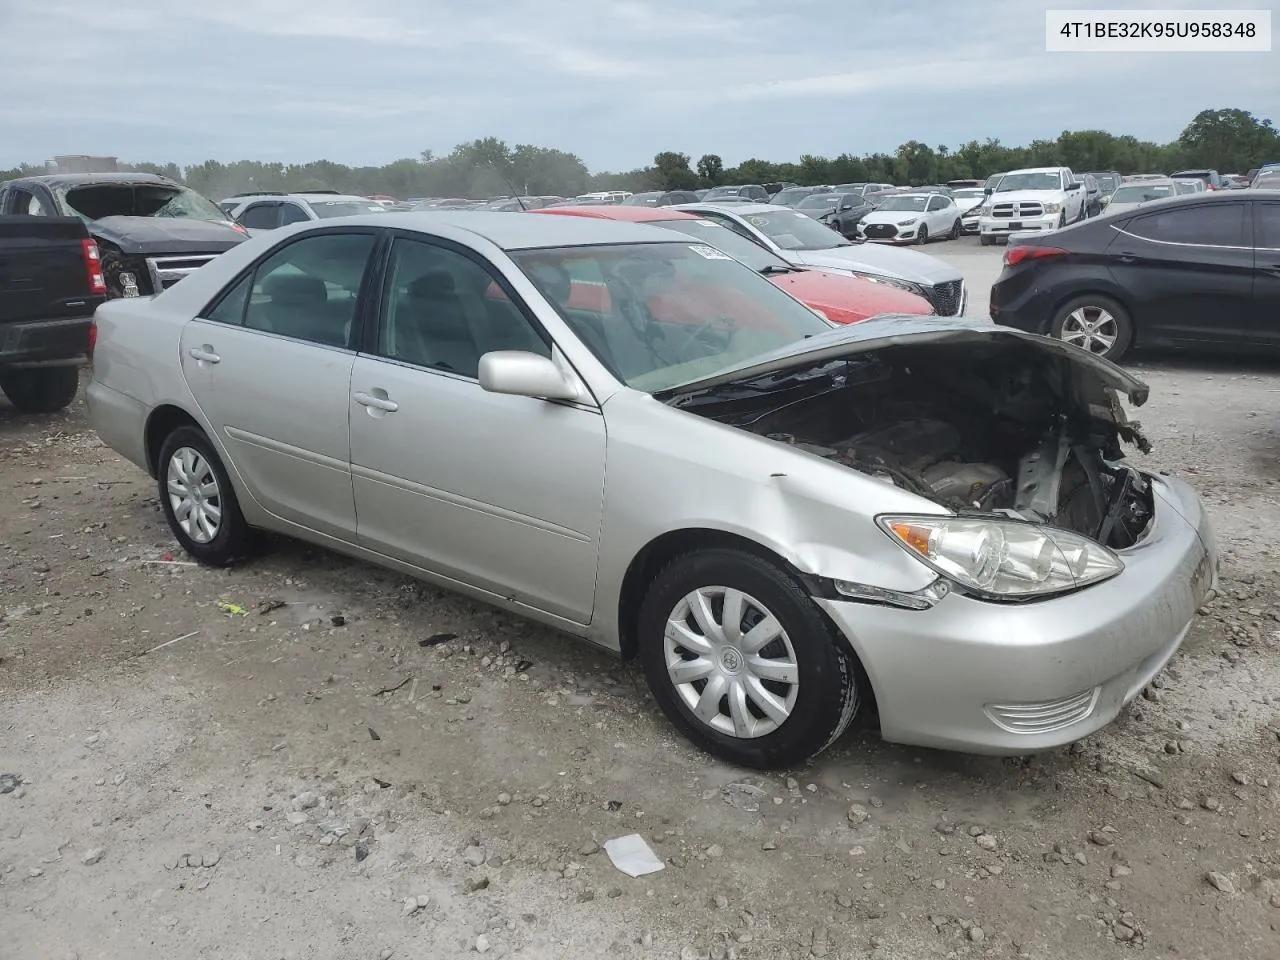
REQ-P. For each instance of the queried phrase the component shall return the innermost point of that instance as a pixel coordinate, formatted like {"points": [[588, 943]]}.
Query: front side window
{"points": [[663, 314], [1210, 225], [445, 311], [261, 216], [310, 289]]}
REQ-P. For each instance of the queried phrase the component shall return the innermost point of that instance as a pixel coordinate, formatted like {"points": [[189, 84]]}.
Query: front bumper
{"points": [[1001, 226], [1011, 679]]}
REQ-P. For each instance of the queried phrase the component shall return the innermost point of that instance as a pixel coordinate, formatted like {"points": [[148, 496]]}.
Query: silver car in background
{"points": [[636, 439], [804, 242]]}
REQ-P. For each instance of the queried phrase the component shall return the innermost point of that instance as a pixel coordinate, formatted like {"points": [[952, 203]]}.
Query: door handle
{"points": [[1127, 258], [376, 402], [204, 354]]}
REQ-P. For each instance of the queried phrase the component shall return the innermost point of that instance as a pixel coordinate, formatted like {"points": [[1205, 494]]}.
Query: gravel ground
{"points": [[307, 757]]}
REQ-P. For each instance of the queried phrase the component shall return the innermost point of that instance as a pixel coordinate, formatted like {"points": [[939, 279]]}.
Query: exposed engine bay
{"points": [[979, 427]]}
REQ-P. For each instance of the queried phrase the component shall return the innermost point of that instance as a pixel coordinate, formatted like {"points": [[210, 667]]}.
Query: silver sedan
{"points": [[640, 441]]}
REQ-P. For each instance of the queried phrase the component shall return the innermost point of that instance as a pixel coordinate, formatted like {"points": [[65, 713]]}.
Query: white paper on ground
{"points": [[632, 855]]}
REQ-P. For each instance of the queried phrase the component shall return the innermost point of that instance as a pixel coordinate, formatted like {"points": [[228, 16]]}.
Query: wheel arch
{"points": [[161, 422]]}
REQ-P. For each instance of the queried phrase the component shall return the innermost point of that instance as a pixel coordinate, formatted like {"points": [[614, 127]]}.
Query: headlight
{"points": [[1003, 558], [982, 211], [906, 285], [1052, 207], [907, 223]]}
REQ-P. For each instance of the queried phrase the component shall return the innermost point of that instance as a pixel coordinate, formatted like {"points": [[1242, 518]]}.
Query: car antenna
{"points": [[506, 183]]}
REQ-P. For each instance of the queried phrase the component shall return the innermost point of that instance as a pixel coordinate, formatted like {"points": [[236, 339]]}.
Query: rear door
{"points": [[1266, 279], [269, 363], [1189, 271]]}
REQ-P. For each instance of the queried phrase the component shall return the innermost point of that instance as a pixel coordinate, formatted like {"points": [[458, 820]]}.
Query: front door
{"points": [[1189, 270], [500, 492], [1266, 278], [270, 367]]}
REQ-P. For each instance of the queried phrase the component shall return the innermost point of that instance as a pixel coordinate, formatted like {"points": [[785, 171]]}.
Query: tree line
{"points": [[1228, 140]]}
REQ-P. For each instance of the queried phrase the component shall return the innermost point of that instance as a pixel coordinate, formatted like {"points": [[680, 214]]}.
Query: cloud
{"points": [[614, 82]]}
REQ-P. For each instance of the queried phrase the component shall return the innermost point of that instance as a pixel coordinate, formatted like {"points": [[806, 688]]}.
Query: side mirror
{"points": [[523, 374], [846, 206], [1074, 186], [988, 191]]}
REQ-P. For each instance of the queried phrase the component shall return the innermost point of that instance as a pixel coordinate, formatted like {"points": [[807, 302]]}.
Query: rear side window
{"points": [[309, 290], [1267, 226], [230, 307], [1210, 225]]}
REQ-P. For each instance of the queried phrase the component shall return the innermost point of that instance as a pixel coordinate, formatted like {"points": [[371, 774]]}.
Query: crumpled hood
{"points": [[150, 236], [888, 331], [877, 258]]}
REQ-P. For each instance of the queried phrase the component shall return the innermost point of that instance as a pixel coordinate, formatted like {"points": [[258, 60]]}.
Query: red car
{"points": [[842, 299]]}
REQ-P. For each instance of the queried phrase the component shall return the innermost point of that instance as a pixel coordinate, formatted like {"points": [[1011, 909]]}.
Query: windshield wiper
{"points": [[774, 268]]}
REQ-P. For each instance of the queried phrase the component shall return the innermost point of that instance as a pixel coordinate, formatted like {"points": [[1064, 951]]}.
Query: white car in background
{"points": [[1037, 198], [971, 215], [912, 218], [1127, 196], [270, 211], [805, 242]]}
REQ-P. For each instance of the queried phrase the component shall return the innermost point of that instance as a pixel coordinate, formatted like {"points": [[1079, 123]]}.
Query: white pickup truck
{"points": [[1039, 198]]}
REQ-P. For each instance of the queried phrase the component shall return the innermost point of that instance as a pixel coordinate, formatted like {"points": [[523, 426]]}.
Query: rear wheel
{"points": [[742, 661], [198, 500], [1095, 323], [922, 235], [40, 389]]}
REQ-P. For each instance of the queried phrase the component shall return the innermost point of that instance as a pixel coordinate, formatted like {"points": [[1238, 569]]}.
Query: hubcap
{"points": [[731, 662], [194, 495], [1092, 328]]}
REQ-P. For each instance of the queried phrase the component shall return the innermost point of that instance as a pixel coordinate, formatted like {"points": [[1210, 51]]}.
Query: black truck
{"points": [[151, 231], [50, 283]]}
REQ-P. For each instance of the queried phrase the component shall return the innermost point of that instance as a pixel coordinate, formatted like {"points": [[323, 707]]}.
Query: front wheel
{"points": [[986, 239], [1062, 219], [1095, 323], [955, 230], [742, 661], [922, 235], [40, 389], [198, 500]]}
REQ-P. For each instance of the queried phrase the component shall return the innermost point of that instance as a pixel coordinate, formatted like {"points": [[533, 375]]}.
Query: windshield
{"points": [[726, 241], [1140, 193], [643, 199], [1267, 180], [1107, 181], [792, 230], [659, 315], [850, 187], [969, 193], [344, 208], [820, 201], [723, 192], [1029, 181], [792, 196], [914, 204], [99, 200]]}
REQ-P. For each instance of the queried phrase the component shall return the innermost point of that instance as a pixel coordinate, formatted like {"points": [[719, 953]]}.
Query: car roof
{"points": [[1036, 170], [1162, 181], [309, 197], [615, 212], [84, 179], [734, 208], [517, 231], [1194, 199]]}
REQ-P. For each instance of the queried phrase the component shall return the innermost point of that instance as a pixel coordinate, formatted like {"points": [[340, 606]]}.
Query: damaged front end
{"points": [[986, 424]]}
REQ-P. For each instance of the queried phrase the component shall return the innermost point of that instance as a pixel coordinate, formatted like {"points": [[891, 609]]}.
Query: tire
{"points": [[1096, 309], [986, 239], [922, 235], [955, 231], [188, 451], [1062, 219], [40, 389], [805, 717]]}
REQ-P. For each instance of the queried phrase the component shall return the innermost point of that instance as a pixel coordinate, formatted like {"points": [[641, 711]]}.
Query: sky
{"points": [[613, 81]]}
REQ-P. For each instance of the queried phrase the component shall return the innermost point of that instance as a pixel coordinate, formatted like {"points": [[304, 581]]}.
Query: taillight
{"points": [[93, 267], [1021, 254]]}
